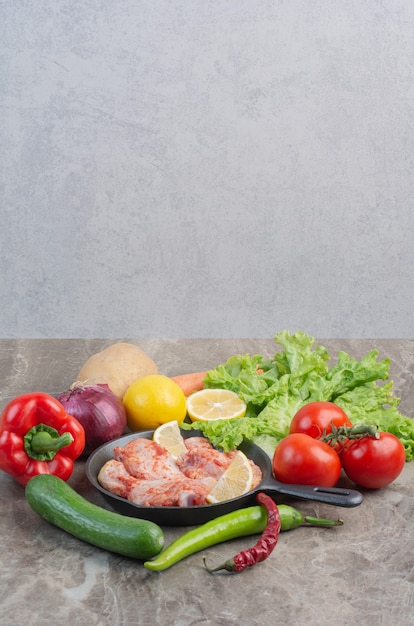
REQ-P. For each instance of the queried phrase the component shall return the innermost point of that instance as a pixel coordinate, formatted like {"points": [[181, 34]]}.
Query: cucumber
{"points": [[54, 500]]}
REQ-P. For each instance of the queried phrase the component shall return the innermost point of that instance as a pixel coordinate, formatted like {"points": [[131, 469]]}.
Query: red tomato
{"points": [[316, 417], [373, 463], [301, 459]]}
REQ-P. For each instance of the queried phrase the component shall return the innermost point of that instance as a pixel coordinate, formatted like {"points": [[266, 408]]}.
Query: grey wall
{"points": [[206, 168]]}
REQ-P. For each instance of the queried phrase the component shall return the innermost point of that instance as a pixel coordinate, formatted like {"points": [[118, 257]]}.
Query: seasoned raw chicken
{"points": [[114, 477], [172, 491], [145, 473], [202, 460], [169, 492], [144, 458]]}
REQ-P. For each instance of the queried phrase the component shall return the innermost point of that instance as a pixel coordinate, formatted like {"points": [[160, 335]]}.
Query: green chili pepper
{"points": [[241, 523]]}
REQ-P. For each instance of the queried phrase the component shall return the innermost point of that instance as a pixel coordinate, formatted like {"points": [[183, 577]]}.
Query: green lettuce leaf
{"points": [[376, 404], [275, 389]]}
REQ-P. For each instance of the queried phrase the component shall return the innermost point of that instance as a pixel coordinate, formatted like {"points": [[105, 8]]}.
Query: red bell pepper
{"points": [[37, 436]]}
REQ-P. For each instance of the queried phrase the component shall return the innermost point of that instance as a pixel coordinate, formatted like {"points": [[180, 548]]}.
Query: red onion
{"points": [[98, 409]]}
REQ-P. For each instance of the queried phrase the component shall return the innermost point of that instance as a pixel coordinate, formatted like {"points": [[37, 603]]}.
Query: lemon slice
{"points": [[215, 404], [169, 436], [236, 480]]}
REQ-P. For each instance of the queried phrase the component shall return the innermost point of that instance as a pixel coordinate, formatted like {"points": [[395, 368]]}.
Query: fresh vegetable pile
{"points": [[322, 442], [274, 390], [251, 520], [314, 421]]}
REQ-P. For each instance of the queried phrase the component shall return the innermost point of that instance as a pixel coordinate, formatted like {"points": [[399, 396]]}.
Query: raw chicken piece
{"points": [[114, 477], [197, 442], [257, 474], [169, 492], [202, 460], [144, 472], [173, 491], [144, 458]]}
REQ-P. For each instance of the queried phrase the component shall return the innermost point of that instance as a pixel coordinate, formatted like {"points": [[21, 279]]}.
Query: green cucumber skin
{"points": [[54, 500]]}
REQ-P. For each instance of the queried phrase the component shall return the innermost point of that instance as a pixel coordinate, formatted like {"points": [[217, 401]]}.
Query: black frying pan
{"points": [[194, 515]]}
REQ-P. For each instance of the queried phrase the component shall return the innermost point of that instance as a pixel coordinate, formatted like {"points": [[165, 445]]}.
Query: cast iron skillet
{"points": [[194, 515]]}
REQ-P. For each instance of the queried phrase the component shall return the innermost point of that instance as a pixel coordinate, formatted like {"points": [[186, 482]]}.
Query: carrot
{"points": [[190, 383]]}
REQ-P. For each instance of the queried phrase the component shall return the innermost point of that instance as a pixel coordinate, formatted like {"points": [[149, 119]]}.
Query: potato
{"points": [[118, 366]]}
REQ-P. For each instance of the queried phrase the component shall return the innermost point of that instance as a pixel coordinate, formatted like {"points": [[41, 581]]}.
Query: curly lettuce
{"points": [[275, 389]]}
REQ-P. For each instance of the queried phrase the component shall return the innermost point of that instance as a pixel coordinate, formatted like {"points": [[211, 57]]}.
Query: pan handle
{"points": [[329, 495]]}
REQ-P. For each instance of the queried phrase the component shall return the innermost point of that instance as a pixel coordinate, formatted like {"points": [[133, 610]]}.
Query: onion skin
{"points": [[101, 413]]}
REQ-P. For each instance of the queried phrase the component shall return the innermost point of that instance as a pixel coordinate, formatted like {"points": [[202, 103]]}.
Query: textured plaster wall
{"points": [[202, 168]]}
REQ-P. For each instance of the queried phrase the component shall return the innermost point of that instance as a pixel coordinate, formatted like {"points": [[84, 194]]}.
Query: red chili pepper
{"points": [[265, 545], [37, 436]]}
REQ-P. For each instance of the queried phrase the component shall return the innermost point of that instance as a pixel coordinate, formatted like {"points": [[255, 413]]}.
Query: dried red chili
{"points": [[264, 546]]}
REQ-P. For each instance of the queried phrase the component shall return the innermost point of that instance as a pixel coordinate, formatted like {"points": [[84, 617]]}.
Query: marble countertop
{"points": [[359, 573]]}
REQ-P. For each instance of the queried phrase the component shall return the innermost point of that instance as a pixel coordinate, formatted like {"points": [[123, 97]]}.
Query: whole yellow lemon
{"points": [[153, 400]]}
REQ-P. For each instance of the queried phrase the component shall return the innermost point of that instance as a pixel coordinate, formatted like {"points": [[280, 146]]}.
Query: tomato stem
{"points": [[341, 434]]}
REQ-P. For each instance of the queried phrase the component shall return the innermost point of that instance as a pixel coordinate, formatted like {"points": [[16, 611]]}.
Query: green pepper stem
{"points": [[320, 521], [42, 442]]}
